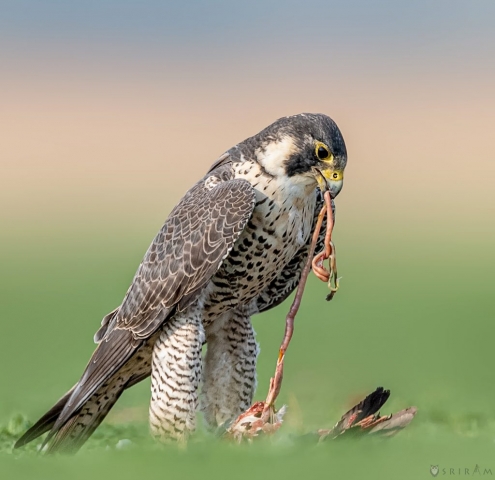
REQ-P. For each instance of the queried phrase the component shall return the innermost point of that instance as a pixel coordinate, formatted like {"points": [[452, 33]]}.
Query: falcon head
{"points": [[306, 148]]}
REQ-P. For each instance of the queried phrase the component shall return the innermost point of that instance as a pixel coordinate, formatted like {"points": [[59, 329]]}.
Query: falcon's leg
{"points": [[175, 376], [230, 368]]}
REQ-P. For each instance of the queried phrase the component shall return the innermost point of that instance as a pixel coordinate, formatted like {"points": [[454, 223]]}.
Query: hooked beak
{"points": [[330, 179]]}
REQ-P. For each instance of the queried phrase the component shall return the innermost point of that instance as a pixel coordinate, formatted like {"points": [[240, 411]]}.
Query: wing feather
{"points": [[199, 233]]}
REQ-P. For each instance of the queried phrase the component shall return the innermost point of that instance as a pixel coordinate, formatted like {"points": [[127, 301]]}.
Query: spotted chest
{"points": [[279, 226]]}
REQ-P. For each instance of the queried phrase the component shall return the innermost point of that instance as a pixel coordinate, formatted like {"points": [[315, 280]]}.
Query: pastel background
{"points": [[110, 110]]}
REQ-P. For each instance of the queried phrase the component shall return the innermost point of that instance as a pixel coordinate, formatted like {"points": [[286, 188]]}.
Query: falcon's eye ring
{"points": [[322, 152]]}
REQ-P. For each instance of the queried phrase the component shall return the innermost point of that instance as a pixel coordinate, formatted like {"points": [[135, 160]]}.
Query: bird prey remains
{"points": [[233, 246]]}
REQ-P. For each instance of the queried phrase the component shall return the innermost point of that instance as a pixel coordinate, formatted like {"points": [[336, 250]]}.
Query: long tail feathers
{"points": [[45, 423], [74, 433], [77, 429]]}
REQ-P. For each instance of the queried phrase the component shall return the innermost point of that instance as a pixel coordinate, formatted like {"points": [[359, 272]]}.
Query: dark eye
{"points": [[322, 152]]}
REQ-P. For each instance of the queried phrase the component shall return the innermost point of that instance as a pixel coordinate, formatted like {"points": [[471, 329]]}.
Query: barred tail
{"points": [[72, 435]]}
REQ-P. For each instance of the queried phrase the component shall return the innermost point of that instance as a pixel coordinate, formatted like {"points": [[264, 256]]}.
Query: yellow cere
{"points": [[335, 175]]}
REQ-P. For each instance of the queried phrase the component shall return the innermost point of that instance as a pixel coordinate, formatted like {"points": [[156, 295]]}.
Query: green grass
{"points": [[407, 317]]}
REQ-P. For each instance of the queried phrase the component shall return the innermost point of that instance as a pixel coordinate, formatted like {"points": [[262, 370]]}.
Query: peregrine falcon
{"points": [[234, 246]]}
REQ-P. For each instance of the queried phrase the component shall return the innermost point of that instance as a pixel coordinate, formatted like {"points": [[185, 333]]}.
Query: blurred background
{"points": [[111, 110]]}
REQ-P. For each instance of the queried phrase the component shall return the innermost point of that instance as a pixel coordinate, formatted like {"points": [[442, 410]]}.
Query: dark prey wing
{"points": [[188, 250]]}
